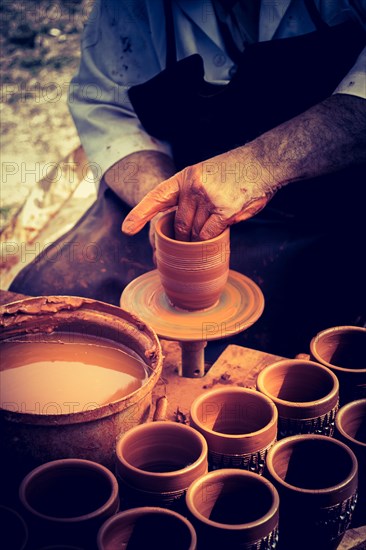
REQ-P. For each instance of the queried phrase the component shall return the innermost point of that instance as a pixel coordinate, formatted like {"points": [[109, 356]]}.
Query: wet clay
{"points": [[65, 372], [193, 274], [241, 303]]}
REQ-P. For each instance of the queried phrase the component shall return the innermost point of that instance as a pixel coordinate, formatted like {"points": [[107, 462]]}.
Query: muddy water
{"points": [[61, 375]]}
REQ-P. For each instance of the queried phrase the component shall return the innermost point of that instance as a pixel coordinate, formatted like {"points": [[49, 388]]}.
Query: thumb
{"points": [[163, 197]]}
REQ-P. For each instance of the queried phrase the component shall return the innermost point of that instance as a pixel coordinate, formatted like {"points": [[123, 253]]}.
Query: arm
{"points": [[134, 176], [236, 185], [118, 52]]}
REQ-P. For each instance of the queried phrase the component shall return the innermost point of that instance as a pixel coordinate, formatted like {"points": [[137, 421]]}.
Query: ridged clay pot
{"points": [[147, 527], [156, 462], [67, 501], [234, 509], [239, 425], [305, 393], [316, 478], [343, 350], [193, 274], [350, 425]]}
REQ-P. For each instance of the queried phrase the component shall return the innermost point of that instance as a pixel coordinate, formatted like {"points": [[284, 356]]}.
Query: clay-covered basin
{"points": [[34, 433]]}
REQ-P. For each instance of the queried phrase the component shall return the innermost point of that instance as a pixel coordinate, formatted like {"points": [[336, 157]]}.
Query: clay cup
{"points": [[343, 350], [14, 531], [305, 394], [156, 462], [239, 425], [147, 527], [193, 274], [68, 500], [316, 478], [350, 426], [233, 508]]}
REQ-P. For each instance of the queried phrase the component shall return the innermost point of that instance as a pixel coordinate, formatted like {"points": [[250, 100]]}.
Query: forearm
{"points": [[326, 138], [134, 176]]}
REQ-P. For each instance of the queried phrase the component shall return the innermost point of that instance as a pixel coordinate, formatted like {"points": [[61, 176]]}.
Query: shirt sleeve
{"points": [[354, 83], [116, 53]]}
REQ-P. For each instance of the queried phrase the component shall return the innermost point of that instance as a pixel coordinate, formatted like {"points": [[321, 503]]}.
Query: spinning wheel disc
{"points": [[240, 305]]}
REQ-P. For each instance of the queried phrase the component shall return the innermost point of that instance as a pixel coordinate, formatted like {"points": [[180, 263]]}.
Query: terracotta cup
{"points": [[239, 425], [156, 462], [351, 429], [305, 394], [343, 350], [13, 530], [316, 478], [193, 274], [233, 508], [147, 527], [67, 501]]}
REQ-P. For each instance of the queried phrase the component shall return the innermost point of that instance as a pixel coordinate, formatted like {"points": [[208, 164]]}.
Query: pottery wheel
{"points": [[240, 305]]}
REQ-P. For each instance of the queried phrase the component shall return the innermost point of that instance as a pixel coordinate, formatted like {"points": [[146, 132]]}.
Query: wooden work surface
{"points": [[237, 366]]}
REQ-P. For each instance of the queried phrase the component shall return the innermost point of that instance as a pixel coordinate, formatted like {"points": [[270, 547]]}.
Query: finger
{"points": [[250, 211], [163, 197], [214, 226], [200, 218], [184, 216]]}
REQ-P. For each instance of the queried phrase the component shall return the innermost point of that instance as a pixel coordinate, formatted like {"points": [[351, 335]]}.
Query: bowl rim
{"points": [[340, 328], [233, 390], [233, 473], [73, 464]]}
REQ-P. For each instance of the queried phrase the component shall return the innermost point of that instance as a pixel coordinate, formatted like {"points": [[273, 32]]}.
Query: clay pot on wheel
{"points": [[351, 429], [316, 478], [147, 527], [234, 509], [193, 274], [305, 394], [343, 350], [156, 463], [67, 500], [239, 425]]}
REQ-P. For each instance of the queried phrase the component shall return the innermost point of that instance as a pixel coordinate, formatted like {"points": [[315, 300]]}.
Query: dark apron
{"points": [[306, 255]]}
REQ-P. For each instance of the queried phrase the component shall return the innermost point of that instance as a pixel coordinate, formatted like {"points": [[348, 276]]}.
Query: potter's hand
{"points": [[210, 196]]}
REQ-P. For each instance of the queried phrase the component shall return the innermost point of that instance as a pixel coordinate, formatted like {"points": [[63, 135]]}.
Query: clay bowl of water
{"points": [[75, 373]]}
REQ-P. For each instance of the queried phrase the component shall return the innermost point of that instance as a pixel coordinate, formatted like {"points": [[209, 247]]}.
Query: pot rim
{"points": [[21, 521], [331, 397], [141, 510], [186, 244], [57, 305], [74, 463], [341, 328], [339, 418], [232, 473], [238, 390], [308, 437], [157, 425]]}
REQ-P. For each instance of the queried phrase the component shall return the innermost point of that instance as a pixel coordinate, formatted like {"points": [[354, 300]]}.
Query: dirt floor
{"points": [[40, 44]]}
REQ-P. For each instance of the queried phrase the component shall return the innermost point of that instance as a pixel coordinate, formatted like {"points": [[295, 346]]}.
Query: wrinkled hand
{"points": [[210, 196]]}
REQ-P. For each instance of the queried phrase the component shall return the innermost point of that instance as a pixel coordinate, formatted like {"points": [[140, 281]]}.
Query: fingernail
{"points": [[127, 226]]}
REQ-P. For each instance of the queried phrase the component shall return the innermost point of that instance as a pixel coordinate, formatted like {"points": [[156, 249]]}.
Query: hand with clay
{"points": [[210, 196], [234, 186]]}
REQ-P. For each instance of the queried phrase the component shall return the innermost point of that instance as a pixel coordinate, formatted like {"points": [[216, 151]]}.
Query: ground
{"points": [[40, 45], [40, 52]]}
